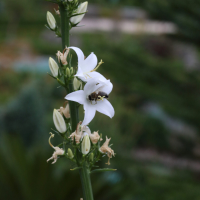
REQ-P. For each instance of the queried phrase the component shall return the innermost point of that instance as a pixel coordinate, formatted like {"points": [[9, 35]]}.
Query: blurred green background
{"points": [[151, 54]]}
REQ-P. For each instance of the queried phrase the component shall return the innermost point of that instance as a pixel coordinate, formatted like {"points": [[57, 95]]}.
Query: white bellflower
{"points": [[101, 105]]}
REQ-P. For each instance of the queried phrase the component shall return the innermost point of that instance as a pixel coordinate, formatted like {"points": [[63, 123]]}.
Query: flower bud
{"points": [[53, 66], [71, 70], [81, 9], [77, 84], [68, 72], [85, 146], [69, 153], [91, 157], [51, 21], [59, 121]]}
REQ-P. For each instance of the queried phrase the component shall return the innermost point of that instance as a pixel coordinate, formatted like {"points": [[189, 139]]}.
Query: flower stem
{"points": [[65, 42], [86, 183], [84, 171]]}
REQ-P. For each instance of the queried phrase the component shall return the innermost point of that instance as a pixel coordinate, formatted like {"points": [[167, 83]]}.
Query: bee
{"points": [[97, 96]]}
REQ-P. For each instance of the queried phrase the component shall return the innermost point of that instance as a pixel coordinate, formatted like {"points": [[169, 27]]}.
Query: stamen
{"points": [[100, 63], [51, 136], [100, 98]]}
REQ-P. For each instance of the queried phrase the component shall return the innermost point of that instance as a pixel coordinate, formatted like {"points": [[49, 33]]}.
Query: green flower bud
{"points": [[91, 157], [69, 153], [71, 70], [77, 84], [68, 74]]}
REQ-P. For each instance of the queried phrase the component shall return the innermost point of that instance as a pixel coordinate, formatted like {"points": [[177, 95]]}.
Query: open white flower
{"points": [[101, 105], [86, 67]]}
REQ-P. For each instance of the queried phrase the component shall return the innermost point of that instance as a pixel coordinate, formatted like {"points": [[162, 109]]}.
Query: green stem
{"points": [[86, 183], [65, 28], [84, 171]]}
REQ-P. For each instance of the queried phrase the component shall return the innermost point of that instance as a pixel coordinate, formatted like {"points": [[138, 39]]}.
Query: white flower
{"points": [[53, 66], [81, 9], [101, 105], [86, 67], [59, 121], [51, 20]]}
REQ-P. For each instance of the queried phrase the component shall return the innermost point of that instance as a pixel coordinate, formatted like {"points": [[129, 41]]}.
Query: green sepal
{"points": [[75, 168]]}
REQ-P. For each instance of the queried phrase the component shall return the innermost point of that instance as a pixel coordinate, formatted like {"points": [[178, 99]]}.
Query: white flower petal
{"points": [[89, 63], [107, 87], [91, 86], [78, 96], [89, 113], [79, 53], [105, 108], [80, 74]]}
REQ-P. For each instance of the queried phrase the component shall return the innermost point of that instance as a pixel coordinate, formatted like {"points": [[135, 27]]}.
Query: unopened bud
{"points": [[91, 157], [69, 153], [81, 9], [53, 66], [68, 72], [71, 70], [59, 121], [85, 146], [77, 84], [51, 21]]}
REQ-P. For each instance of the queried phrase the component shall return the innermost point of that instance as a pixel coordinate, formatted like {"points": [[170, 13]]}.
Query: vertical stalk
{"points": [[65, 42], [84, 171], [86, 183]]}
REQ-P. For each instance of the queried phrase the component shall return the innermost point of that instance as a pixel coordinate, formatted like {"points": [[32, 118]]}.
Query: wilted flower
{"points": [[81, 9], [62, 57], [53, 67], [77, 134], [51, 20], [65, 111], [95, 137], [87, 67], [101, 105], [59, 121], [58, 151], [106, 149]]}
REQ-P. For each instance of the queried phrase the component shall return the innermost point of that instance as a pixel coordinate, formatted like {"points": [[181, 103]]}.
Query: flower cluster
{"points": [[84, 86], [96, 90]]}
